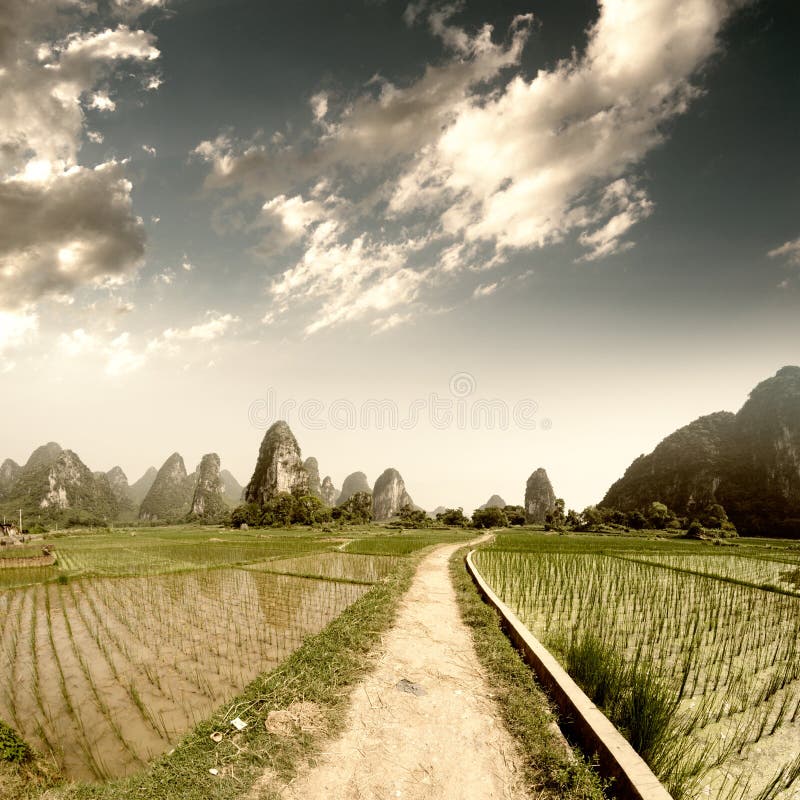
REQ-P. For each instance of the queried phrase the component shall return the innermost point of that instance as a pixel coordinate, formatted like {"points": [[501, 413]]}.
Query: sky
{"points": [[462, 239]]}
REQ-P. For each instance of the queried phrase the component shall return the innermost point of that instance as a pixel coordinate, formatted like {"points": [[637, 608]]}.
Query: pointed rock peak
{"points": [[233, 489], [540, 499], [117, 474], [280, 430], [389, 495], [312, 468], [354, 482], [9, 472], [210, 459], [208, 501], [279, 467], [169, 497], [495, 501], [44, 455], [328, 492]]}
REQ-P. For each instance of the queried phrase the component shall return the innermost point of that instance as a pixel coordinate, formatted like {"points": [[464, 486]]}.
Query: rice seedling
{"points": [[151, 633], [701, 673]]}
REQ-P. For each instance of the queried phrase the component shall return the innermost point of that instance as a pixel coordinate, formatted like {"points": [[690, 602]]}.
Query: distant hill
{"points": [[55, 486], [118, 481], [748, 462], [140, 488], [208, 499], [495, 501], [9, 473], [279, 467], [233, 490], [170, 496], [389, 495], [354, 482]]}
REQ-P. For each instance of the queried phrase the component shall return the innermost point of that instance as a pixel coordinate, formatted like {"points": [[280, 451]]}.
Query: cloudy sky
{"points": [[463, 239]]}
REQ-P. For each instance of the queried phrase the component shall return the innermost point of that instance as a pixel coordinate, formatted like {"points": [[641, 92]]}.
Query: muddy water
{"points": [[108, 673]]}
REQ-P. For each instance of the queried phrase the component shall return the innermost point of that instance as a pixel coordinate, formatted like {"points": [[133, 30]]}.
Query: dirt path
{"points": [[447, 740]]}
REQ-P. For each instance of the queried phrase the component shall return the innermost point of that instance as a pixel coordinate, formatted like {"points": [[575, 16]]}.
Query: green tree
{"points": [[489, 518], [356, 510], [454, 517], [278, 511], [713, 516], [515, 515], [310, 510], [636, 520], [574, 520], [555, 519], [412, 517], [593, 518], [658, 515], [247, 514]]}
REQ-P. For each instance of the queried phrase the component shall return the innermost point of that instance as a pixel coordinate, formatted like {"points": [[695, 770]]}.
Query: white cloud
{"points": [[392, 321], [290, 217], [788, 250], [413, 11], [484, 290], [215, 326], [102, 102], [494, 160], [121, 359], [627, 206], [65, 225], [319, 105], [386, 123], [16, 329], [348, 278], [77, 343], [539, 159]]}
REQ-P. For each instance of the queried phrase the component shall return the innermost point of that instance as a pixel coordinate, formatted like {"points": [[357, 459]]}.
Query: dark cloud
{"points": [[66, 232]]}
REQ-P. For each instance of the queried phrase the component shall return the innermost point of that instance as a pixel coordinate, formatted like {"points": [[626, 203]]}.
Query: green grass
{"points": [[401, 544], [550, 770]]}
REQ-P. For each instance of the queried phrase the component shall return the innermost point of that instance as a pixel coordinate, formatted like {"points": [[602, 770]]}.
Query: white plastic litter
{"points": [[239, 724]]}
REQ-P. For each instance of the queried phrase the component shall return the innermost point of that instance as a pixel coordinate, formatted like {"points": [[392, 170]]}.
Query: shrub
{"points": [[695, 531], [12, 748]]}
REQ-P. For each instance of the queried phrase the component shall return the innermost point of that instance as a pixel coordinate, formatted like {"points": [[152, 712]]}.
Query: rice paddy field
{"points": [[109, 656], [692, 650]]}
